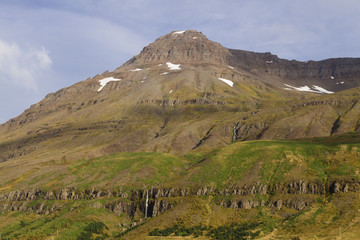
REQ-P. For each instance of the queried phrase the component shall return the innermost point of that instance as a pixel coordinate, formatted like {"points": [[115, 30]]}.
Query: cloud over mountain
{"points": [[22, 66]]}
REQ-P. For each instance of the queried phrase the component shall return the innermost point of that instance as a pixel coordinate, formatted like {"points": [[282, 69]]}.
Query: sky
{"points": [[46, 45]]}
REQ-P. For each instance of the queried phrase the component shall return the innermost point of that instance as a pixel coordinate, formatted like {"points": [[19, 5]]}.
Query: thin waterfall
{"points": [[234, 132], [146, 203]]}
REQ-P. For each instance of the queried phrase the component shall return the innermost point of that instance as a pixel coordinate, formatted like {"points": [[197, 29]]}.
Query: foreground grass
{"points": [[272, 162], [194, 218], [268, 162]]}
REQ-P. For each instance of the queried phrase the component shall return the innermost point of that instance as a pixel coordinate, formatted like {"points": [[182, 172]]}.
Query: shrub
{"points": [[96, 227], [85, 236]]}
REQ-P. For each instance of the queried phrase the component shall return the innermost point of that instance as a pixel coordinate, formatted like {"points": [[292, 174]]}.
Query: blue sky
{"points": [[46, 45]]}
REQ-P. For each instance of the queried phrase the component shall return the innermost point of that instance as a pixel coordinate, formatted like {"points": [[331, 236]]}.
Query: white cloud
{"points": [[22, 67]]}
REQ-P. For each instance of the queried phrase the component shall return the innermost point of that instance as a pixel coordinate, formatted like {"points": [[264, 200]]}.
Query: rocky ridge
{"points": [[297, 195], [192, 47]]}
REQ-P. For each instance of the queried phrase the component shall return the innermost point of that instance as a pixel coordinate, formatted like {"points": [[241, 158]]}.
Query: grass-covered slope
{"points": [[270, 163]]}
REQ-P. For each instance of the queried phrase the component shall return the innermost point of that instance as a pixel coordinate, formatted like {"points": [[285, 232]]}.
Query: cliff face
{"points": [[297, 195], [191, 47], [334, 74]]}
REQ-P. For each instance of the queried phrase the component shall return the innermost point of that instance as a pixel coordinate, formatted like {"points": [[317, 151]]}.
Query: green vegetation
{"points": [[142, 169], [75, 220], [97, 228], [267, 162], [233, 231], [276, 161]]}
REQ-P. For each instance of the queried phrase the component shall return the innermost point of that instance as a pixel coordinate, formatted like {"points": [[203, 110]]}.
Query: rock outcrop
{"points": [[296, 195], [335, 74], [176, 102], [183, 47]]}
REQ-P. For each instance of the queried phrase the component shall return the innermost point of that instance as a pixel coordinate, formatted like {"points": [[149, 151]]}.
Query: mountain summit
{"points": [[192, 47], [183, 47]]}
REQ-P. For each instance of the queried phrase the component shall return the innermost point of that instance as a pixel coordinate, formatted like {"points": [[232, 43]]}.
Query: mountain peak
{"points": [[187, 46]]}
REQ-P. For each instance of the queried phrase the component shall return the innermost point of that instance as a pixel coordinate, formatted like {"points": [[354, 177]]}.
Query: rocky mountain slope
{"points": [[166, 140], [184, 92]]}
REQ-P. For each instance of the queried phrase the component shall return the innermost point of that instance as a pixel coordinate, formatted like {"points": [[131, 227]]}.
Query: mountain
{"points": [[188, 124], [184, 92]]}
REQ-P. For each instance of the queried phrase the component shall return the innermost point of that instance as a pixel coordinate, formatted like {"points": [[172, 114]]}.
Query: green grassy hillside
{"points": [[270, 163]]}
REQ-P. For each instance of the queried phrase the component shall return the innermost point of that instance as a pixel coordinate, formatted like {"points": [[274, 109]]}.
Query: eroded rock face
{"points": [[186, 47], [176, 102], [242, 203], [296, 195], [193, 47], [344, 186], [336, 73], [300, 187]]}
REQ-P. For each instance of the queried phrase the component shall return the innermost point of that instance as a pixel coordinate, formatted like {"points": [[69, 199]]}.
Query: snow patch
{"points": [[164, 73], [323, 90], [171, 91], [142, 81], [342, 82], [136, 70], [231, 67], [195, 37], [269, 61], [178, 32], [173, 66], [105, 81], [315, 89], [301, 89], [227, 81], [332, 77], [160, 65]]}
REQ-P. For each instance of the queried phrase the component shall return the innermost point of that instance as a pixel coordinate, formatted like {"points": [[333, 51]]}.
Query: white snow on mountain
{"points": [[313, 89], [172, 66], [323, 90], [178, 32], [105, 81], [227, 81]]}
